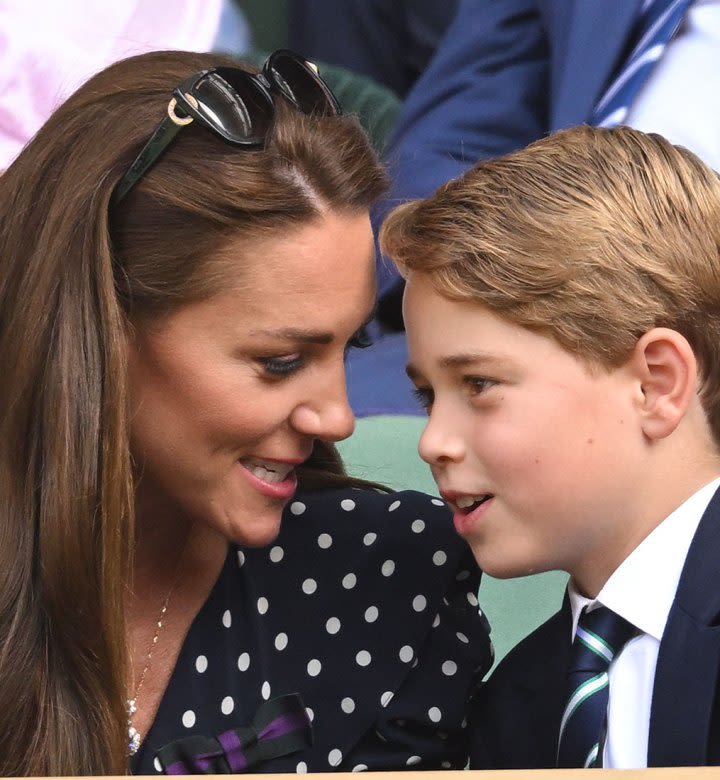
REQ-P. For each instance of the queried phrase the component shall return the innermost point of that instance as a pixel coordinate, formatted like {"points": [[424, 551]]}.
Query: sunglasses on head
{"points": [[235, 105]]}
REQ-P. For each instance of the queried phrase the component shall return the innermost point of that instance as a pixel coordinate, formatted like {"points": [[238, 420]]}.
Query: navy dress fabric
{"points": [[365, 605]]}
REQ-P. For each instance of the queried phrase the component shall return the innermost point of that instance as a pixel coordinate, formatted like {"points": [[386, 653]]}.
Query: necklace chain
{"points": [[134, 736], [131, 705]]}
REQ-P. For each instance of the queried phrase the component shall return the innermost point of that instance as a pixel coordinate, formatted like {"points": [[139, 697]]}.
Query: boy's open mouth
{"points": [[468, 504]]}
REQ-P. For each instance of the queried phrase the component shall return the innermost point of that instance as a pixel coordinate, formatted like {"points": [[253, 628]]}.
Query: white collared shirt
{"points": [[681, 99], [642, 590]]}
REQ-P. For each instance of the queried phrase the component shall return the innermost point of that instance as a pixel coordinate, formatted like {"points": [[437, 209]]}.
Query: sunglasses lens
{"points": [[235, 104], [299, 83]]}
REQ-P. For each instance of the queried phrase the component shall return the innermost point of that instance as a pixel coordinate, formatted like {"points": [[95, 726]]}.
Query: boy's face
{"points": [[552, 451]]}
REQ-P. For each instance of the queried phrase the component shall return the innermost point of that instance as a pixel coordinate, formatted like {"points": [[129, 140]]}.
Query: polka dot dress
{"points": [[365, 605]]}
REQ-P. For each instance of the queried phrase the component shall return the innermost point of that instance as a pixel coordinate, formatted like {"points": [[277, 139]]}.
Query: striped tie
{"points": [[601, 634], [656, 25]]}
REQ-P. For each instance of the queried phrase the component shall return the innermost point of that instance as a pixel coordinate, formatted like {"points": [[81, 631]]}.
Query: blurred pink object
{"points": [[48, 48]]}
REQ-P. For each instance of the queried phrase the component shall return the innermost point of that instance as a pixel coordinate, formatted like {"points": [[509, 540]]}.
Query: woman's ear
{"points": [[665, 364]]}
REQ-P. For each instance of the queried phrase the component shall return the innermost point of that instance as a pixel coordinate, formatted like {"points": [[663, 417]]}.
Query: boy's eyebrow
{"points": [[459, 361], [469, 358]]}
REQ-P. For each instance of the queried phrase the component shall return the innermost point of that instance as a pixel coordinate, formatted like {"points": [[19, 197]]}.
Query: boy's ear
{"points": [[666, 366]]}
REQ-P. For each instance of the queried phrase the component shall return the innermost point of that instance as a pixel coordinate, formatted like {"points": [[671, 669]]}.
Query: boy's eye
{"points": [[424, 396], [478, 384], [281, 365]]}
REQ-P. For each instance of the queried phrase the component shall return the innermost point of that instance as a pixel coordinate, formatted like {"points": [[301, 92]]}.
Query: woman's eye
{"points": [[424, 396], [361, 340], [283, 365]]}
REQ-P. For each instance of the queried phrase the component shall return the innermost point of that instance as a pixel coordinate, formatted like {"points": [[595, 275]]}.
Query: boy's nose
{"points": [[441, 441]]}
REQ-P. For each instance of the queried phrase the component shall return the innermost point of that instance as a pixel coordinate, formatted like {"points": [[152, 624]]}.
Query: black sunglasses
{"points": [[236, 105]]}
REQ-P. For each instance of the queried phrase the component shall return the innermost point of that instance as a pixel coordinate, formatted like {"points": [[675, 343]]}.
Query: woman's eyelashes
{"points": [[360, 340], [278, 366], [281, 365]]}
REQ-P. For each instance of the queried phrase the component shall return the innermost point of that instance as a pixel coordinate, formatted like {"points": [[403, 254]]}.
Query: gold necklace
{"points": [[134, 736]]}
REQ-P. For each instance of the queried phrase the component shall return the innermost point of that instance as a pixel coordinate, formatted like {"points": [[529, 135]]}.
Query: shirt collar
{"points": [[643, 587]]}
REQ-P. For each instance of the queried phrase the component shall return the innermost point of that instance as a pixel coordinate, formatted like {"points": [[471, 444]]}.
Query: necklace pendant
{"points": [[133, 740]]}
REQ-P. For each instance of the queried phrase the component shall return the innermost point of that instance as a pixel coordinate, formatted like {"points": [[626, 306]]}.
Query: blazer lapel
{"points": [[597, 36], [686, 678]]}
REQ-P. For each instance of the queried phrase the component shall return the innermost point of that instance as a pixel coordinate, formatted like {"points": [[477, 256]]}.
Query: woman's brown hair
{"points": [[74, 275]]}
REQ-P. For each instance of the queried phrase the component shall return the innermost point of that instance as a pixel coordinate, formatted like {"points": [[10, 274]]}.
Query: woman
{"points": [[174, 315]]}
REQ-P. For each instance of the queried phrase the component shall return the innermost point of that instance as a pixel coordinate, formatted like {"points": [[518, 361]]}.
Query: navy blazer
{"points": [[506, 73], [517, 719]]}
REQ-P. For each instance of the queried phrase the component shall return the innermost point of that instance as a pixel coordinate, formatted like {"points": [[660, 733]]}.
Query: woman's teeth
{"points": [[268, 472]]}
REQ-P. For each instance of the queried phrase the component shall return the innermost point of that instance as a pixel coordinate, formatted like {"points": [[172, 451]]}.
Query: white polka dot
{"points": [[349, 581], [333, 625], [413, 760], [310, 714], [297, 507], [434, 714], [188, 719], [360, 768], [277, 554], [387, 568], [262, 605], [415, 663], [371, 614], [281, 641], [347, 504], [418, 526], [241, 558], [309, 586], [419, 603], [446, 765], [368, 539], [393, 506], [472, 599], [347, 705], [406, 654], [463, 575], [440, 558], [449, 668], [363, 658], [324, 541], [265, 690], [227, 706], [244, 662], [436, 622], [301, 768], [463, 725], [462, 637], [386, 698], [201, 663], [314, 667], [227, 618], [335, 757], [438, 502], [157, 766]]}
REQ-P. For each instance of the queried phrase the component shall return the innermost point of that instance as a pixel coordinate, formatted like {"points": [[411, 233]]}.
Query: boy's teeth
{"points": [[466, 501], [268, 472]]}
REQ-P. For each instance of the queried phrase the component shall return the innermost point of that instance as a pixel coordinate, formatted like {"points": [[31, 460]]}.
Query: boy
{"points": [[563, 318]]}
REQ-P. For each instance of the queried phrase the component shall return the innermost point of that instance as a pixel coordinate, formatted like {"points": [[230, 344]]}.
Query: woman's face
{"points": [[228, 395]]}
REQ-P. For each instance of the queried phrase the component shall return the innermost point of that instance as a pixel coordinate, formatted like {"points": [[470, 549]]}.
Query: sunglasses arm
{"points": [[153, 149]]}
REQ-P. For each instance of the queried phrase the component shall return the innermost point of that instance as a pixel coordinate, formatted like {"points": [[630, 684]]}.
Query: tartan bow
{"points": [[280, 726]]}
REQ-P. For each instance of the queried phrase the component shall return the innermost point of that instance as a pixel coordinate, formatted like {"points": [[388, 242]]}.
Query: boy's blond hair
{"points": [[590, 236]]}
